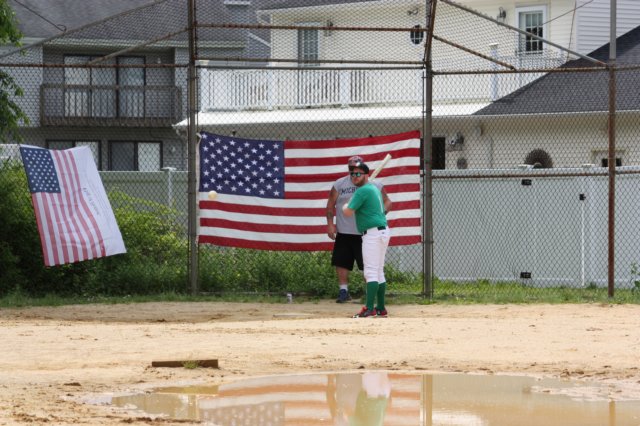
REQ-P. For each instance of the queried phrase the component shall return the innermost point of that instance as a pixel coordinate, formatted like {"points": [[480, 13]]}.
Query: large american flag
{"points": [[74, 217], [272, 195]]}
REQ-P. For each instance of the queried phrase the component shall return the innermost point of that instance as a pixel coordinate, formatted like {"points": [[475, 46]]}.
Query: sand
{"points": [[53, 360]]}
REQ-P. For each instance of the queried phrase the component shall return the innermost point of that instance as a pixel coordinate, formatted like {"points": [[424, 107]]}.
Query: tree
{"points": [[10, 113]]}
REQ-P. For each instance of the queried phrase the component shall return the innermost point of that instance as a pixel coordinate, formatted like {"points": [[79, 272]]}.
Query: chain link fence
{"points": [[513, 106]]}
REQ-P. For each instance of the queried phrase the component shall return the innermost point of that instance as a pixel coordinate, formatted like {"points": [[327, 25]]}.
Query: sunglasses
{"points": [[356, 174]]}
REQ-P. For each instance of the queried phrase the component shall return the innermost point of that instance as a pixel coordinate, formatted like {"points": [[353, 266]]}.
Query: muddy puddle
{"points": [[388, 398]]}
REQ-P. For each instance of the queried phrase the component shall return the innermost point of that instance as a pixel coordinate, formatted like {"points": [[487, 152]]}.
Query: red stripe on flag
{"points": [[273, 228], [322, 195], [266, 245], [332, 177], [406, 205], [263, 227], [260, 210], [356, 142], [332, 161], [286, 211]]}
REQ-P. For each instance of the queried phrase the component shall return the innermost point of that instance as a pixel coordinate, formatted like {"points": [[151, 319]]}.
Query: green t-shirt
{"points": [[369, 207]]}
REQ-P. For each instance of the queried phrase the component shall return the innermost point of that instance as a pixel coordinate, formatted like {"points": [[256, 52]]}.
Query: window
{"points": [[308, 44], [417, 35], [604, 162], [66, 144], [94, 93], [135, 156], [532, 20], [601, 158]]}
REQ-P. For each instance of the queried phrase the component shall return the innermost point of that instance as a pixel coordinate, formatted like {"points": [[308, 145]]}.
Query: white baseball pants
{"points": [[374, 249]]}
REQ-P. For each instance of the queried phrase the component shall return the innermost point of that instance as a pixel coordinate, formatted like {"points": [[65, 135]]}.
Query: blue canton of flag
{"points": [[242, 167], [41, 172]]}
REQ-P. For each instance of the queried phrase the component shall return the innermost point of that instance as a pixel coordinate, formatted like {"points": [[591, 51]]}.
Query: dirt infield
{"points": [[54, 358]]}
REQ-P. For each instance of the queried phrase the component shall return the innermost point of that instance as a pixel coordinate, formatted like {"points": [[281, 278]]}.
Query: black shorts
{"points": [[347, 249]]}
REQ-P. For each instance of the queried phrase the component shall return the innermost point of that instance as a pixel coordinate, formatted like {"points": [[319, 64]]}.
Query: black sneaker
{"points": [[343, 296]]}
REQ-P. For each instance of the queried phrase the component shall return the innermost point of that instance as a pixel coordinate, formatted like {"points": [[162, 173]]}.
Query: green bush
{"points": [[234, 270], [157, 257], [20, 249], [224, 269], [155, 261]]}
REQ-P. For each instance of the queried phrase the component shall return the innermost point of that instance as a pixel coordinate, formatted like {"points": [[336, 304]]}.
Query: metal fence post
{"points": [[612, 150], [191, 150], [169, 172], [427, 134]]}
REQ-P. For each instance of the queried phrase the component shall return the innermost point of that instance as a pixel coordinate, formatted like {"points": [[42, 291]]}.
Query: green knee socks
{"points": [[372, 291], [382, 289]]}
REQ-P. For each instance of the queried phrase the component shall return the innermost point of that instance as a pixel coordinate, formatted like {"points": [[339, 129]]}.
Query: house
{"points": [[324, 83], [570, 128], [125, 114]]}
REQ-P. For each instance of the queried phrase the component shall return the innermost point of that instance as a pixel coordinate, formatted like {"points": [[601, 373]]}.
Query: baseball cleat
{"points": [[364, 312], [382, 313]]}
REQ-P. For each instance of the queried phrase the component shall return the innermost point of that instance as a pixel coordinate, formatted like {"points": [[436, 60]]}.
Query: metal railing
{"points": [[70, 105], [268, 89]]}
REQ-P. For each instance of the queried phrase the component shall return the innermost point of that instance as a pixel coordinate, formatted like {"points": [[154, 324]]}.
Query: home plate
{"points": [[292, 315]]}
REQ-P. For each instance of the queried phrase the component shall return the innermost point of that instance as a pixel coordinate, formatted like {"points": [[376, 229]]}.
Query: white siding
{"points": [[593, 22]]}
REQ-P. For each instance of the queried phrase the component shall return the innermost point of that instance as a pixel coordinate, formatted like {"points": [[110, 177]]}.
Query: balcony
{"points": [[271, 89], [268, 89], [93, 105]]}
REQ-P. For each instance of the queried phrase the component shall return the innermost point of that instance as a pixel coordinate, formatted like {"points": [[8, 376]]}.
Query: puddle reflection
{"points": [[384, 398]]}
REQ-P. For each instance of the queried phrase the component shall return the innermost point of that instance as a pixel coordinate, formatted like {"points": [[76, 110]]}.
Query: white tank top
{"points": [[345, 189]]}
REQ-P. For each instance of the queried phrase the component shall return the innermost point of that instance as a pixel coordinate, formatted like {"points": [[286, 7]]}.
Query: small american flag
{"points": [[272, 195], [74, 217]]}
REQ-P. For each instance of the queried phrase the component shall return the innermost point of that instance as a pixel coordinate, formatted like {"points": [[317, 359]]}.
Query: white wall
{"points": [[452, 24], [488, 228], [570, 140], [593, 21]]}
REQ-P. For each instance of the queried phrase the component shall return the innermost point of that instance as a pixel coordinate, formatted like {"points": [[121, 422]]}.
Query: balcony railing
{"points": [[282, 89], [267, 89], [94, 105]]}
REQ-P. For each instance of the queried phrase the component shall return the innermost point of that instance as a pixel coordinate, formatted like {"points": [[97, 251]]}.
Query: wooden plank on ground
{"points": [[204, 363]]}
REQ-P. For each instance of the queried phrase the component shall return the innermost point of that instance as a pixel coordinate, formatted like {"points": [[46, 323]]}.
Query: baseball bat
{"points": [[380, 167]]}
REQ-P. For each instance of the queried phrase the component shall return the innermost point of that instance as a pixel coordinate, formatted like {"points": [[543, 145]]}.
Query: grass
{"points": [[479, 292]]}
